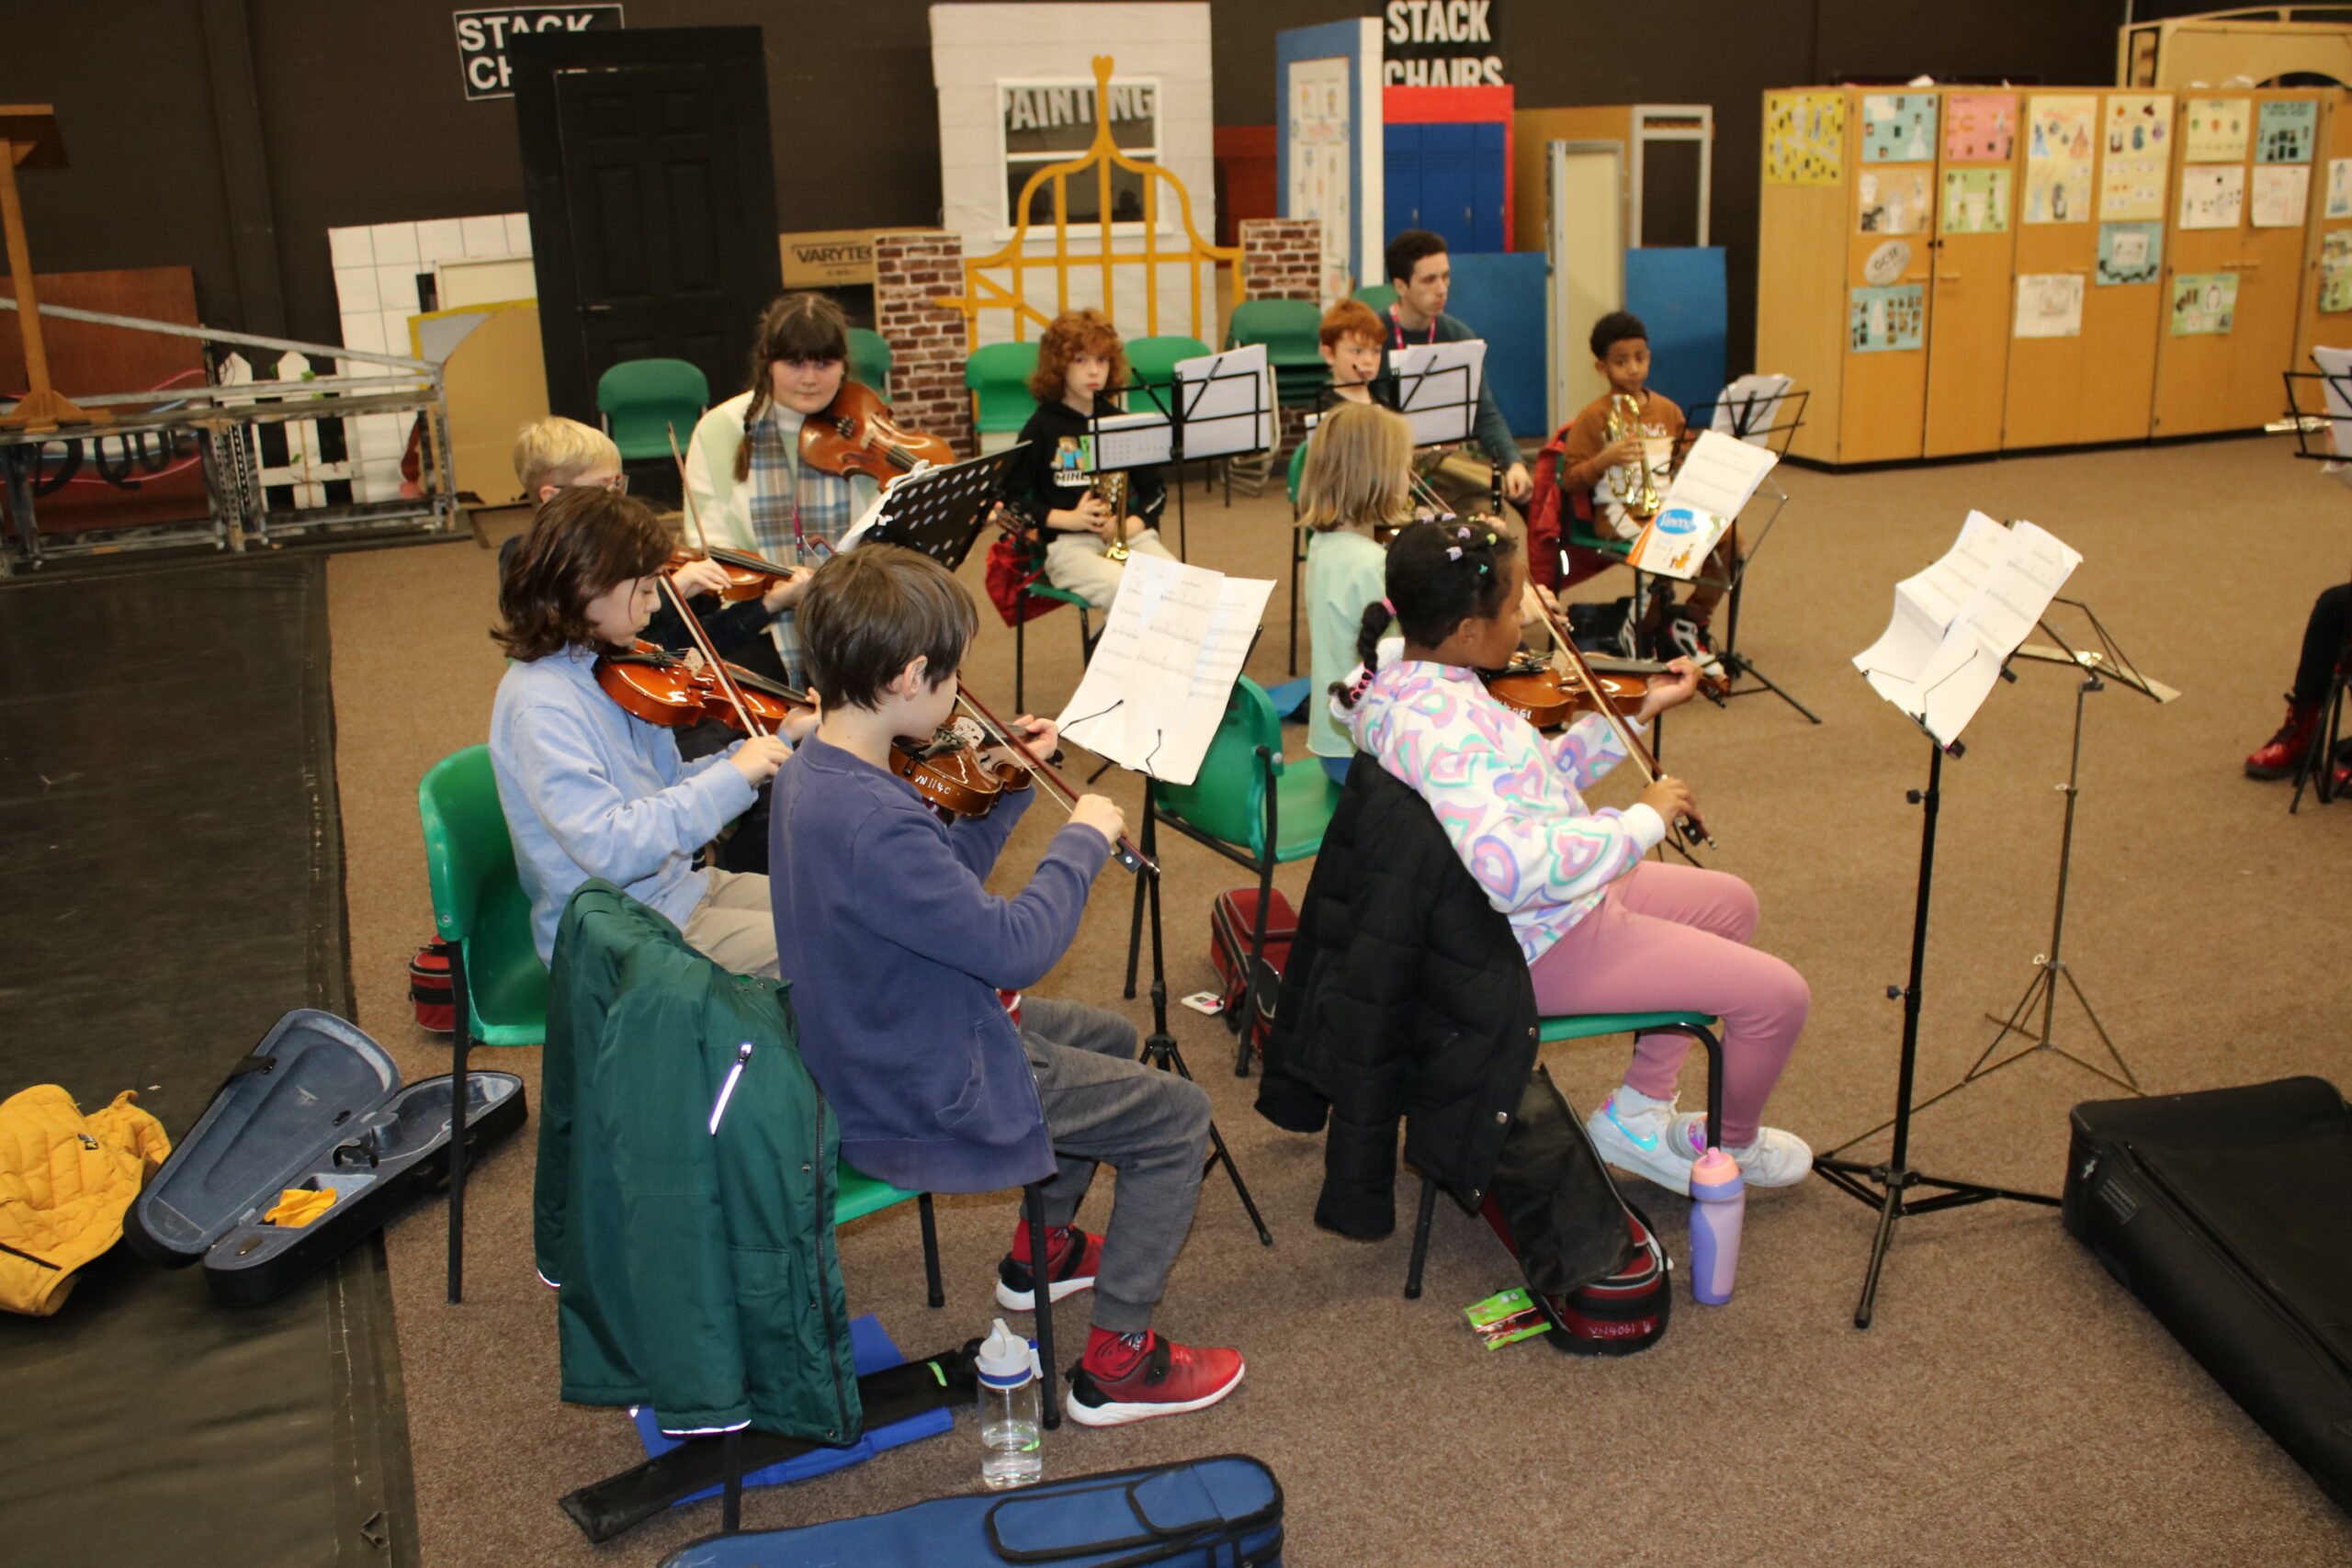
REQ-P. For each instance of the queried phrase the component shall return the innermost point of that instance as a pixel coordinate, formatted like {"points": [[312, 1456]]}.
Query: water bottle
{"points": [[1010, 1424], [1719, 1205]]}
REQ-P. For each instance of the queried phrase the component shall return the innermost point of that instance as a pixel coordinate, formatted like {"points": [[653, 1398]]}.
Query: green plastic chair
{"points": [[869, 360], [1250, 807], [1041, 588], [643, 399], [1700, 1026], [857, 1195], [998, 378], [1291, 330], [1297, 547], [497, 985], [1379, 295], [1154, 358]]}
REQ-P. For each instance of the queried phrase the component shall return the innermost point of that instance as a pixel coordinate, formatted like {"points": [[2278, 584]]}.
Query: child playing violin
{"points": [[898, 951], [589, 789], [744, 476], [557, 454], [1053, 486], [1602, 929], [1356, 480]]}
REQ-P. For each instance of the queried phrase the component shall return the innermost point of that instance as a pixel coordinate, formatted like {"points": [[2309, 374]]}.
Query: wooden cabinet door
{"points": [[2327, 311], [1971, 256]]}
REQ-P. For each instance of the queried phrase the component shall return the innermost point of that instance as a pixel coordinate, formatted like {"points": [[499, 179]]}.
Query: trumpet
{"points": [[1641, 498], [1113, 489]]}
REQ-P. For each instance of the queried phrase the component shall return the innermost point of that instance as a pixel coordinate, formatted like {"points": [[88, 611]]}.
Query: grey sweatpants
{"points": [[1104, 1107]]}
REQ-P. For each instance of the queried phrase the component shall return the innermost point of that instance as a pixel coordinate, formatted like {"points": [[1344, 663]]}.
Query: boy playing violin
{"points": [[589, 789], [897, 952]]}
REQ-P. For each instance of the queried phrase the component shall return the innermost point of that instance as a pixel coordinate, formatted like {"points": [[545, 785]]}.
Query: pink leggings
{"points": [[1669, 938]]}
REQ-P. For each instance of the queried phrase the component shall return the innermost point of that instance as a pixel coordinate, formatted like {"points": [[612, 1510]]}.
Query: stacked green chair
{"points": [[644, 399], [869, 360], [1379, 295], [1248, 805], [1291, 330], [998, 378]]}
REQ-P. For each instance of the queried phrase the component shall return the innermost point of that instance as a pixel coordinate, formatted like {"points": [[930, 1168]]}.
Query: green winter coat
{"points": [[697, 1268]]}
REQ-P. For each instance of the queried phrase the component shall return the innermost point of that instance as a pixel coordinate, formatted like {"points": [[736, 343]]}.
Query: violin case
{"points": [[1224, 1512], [318, 1106], [2225, 1213]]}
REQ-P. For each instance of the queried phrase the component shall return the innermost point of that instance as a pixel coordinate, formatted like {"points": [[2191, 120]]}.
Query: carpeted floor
{"points": [[2012, 1404]]}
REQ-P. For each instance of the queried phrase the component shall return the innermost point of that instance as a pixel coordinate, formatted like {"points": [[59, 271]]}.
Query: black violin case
{"points": [[316, 1105], [2228, 1215]]}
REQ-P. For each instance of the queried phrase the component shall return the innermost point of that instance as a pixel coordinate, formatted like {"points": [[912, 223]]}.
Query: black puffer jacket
{"points": [[1405, 995]]}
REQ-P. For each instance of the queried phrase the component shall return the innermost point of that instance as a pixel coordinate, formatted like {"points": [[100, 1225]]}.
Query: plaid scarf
{"points": [[790, 504]]}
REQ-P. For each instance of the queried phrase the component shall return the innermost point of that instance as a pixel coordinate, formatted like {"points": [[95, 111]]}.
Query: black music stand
{"points": [[1221, 414], [2315, 769], [1771, 421], [940, 512]]}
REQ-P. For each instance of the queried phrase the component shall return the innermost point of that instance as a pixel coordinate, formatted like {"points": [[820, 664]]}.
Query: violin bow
{"points": [[1692, 827], [1133, 858]]}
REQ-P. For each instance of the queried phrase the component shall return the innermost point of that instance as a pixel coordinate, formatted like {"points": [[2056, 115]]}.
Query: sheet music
{"points": [[1226, 401], [1719, 474], [1173, 643], [1752, 404], [1437, 389], [1956, 622], [1131, 440]]}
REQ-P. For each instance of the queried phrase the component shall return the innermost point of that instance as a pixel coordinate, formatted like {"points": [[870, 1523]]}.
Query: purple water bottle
{"points": [[1719, 1205]]}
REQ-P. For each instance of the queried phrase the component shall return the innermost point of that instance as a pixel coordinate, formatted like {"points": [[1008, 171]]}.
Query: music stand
{"points": [[940, 512], [1768, 419], [1212, 405], [2314, 770]]}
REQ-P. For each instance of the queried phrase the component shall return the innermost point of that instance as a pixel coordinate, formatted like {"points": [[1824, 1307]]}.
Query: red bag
{"points": [[1014, 565], [430, 991], [1232, 924]]}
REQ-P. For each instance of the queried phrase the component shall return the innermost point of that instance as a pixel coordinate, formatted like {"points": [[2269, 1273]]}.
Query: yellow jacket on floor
{"points": [[66, 1180]]}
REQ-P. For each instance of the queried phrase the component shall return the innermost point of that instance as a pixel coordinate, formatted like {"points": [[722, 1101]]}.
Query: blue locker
{"points": [[1401, 151], [1448, 177]]}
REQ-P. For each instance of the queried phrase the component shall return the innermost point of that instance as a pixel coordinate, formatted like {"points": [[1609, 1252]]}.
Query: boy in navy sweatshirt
{"points": [[896, 952]]}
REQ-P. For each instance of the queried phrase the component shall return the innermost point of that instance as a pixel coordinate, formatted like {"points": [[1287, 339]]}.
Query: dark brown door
{"points": [[652, 200]]}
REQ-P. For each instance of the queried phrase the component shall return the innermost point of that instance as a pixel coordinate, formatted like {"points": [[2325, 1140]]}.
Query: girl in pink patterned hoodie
{"points": [[1603, 930]]}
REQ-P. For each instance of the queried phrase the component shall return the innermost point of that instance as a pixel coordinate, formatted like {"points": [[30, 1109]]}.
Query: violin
{"points": [[854, 435], [948, 772], [662, 687], [1530, 688], [747, 576]]}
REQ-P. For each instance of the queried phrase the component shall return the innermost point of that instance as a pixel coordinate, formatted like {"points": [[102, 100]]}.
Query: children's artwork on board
{"points": [[2286, 131], [1879, 320], [1887, 262], [2203, 302], [2136, 156], [1898, 128], [1980, 128], [2335, 270], [2058, 158], [2129, 253], [2216, 130], [2213, 197], [1976, 201], [1892, 201], [1804, 138], [2280, 193], [2339, 188], [2050, 304]]}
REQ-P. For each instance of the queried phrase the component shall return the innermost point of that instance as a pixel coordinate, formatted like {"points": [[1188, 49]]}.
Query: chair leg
{"points": [[1714, 1049], [1420, 1240], [936, 1296], [1265, 895], [730, 1506], [1020, 656], [460, 1046], [1033, 1204]]}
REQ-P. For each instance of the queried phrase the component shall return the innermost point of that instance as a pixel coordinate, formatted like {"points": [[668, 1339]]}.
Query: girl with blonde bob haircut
{"points": [[1357, 478]]}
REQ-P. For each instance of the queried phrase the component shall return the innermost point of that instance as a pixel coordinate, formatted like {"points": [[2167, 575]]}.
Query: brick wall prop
{"points": [[928, 343], [1282, 258]]}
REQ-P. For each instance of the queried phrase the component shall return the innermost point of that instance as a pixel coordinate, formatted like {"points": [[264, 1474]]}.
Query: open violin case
{"points": [[316, 1106]]}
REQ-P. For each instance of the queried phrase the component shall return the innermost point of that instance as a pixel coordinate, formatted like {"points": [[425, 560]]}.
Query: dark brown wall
{"points": [[365, 122]]}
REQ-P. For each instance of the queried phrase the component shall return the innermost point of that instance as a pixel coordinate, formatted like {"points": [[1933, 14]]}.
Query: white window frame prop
{"points": [[1082, 88]]}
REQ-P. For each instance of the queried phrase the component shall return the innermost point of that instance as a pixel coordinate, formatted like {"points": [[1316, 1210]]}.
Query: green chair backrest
{"points": [[1379, 295], [477, 900], [999, 374], [869, 360], [643, 399], [1289, 328], [1154, 358], [1298, 467], [1228, 799]]}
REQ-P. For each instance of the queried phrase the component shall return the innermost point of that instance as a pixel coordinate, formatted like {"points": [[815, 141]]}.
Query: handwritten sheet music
{"points": [[1171, 648], [1955, 623]]}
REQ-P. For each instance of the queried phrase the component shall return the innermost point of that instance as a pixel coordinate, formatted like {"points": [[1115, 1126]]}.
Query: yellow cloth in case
{"points": [[300, 1205]]}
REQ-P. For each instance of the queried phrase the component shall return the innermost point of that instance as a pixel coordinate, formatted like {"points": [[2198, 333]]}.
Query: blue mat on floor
{"points": [[1290, 697], [874, 1352]]}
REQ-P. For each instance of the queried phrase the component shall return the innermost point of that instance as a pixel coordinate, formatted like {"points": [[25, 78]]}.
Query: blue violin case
{"points": [[316, 1106]]}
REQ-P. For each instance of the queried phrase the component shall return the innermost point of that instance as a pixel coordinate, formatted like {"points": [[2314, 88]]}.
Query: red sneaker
{"points": [[1159, 1378], [1070, 1257], [2279, 755]]}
